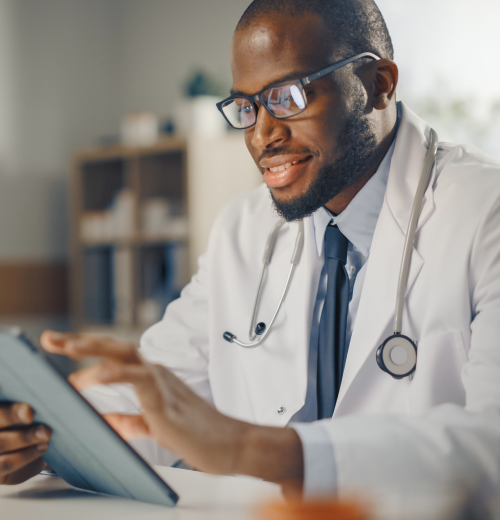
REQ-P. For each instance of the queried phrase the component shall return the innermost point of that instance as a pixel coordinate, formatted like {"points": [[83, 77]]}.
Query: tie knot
{"points": [[335, 244]]}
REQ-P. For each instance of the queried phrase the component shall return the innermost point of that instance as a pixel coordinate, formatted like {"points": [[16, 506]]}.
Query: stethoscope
{"points": [[387, 354], [260, 329]]}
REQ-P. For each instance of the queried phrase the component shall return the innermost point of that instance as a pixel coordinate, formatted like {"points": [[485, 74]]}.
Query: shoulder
{"points": [[465, 162], [238, 236], [249, 211], [471, 175]]}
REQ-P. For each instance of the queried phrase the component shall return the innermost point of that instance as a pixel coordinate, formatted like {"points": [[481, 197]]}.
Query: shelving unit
{"points": [[140, 219], [129, 235]]}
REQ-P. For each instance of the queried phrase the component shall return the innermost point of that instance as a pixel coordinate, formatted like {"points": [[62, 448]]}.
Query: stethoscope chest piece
{"points": [[397, 356]]}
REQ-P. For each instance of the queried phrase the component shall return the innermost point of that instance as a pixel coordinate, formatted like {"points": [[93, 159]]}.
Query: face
{"points": [[311, 158]]}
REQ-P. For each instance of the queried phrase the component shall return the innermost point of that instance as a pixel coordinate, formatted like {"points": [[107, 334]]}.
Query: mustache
{"points": [[283, 150]]}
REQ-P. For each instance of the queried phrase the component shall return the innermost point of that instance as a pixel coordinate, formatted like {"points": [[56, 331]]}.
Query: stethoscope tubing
{"points": [[397, 340], [268, 251], [412, 226], [268, 328], [297, 252]]}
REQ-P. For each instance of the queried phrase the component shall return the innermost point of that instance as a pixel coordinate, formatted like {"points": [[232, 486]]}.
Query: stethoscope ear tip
{"points": [[260, 328], [229, 337]]}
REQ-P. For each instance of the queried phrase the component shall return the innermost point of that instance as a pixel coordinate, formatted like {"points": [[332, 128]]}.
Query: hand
{"points": [[21, 443], [173, 414], [179, 419]]}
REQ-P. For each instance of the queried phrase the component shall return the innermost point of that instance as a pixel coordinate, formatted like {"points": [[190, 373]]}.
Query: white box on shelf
{"points": [[139, 128]]}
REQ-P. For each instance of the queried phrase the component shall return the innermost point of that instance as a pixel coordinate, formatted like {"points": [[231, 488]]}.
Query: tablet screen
{"points": [[85, 451]]}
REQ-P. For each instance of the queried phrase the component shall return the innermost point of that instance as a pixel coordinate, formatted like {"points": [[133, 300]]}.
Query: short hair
{"points": [[356, 26]]}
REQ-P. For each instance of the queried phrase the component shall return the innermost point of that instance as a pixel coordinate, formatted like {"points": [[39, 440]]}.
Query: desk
{"points": [[202, 497]]}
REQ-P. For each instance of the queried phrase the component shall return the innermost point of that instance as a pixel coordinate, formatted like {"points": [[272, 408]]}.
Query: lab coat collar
{"points": [[411, 148], [377, 303]]}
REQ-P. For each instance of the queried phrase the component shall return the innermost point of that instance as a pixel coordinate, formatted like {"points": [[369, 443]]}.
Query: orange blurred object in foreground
{"points": [[320, 510]]}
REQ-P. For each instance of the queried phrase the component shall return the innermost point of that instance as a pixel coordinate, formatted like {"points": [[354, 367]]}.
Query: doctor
{"points": [[348, 164]]}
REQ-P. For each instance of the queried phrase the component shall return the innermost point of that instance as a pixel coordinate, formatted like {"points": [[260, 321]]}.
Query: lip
{"points": [[285, 177]]}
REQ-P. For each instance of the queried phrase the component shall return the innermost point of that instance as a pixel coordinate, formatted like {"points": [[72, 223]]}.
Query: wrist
{"points": [[269, 453]]}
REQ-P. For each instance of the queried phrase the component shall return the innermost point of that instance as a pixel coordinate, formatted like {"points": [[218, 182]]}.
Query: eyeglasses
{"points": [[283, 100]]}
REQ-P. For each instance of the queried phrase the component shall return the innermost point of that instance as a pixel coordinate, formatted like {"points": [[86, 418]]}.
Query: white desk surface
{"points": [[202, 497]]}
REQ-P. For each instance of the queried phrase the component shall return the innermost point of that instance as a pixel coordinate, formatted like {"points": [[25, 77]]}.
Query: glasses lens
{"points": [[239, 112], [285, 101]]}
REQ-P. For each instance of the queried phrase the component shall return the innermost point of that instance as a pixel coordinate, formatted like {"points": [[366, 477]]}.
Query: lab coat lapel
{"points": [[378, 298], [276, 372]]}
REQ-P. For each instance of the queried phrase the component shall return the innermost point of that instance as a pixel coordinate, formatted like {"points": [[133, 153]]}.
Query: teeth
{"points": [[281, 168]]}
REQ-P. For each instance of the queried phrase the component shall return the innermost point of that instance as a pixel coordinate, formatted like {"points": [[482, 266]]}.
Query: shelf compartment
{"points": [[98, 301], [161, 175], [162, 270], [101, 182]]}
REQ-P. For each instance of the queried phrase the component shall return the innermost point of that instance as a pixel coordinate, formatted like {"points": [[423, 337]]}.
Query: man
{"points": [[346, 159]]}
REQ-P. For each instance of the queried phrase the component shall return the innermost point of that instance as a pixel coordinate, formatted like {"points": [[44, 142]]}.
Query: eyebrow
{"points": [[291, 76]]}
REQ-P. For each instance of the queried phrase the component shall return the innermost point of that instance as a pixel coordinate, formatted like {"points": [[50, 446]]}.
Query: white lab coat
{"points": [[384, 430]]}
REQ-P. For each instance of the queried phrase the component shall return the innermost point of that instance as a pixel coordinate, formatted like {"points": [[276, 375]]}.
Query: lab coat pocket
{"points": [[437, 379]]}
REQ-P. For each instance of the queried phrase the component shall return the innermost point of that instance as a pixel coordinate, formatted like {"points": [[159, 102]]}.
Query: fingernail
{"points": [[23, 413], [42, 434], [56, 336], [42, 447]]}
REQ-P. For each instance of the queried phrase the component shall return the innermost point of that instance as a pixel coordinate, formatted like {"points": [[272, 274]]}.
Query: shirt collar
{"points": [[358, 221]]}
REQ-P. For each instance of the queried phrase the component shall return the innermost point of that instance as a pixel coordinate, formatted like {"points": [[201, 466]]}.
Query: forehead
{"points": [[274, 46]]}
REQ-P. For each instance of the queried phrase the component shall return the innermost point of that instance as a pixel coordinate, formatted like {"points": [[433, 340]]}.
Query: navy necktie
{"points": [[332, 350]]}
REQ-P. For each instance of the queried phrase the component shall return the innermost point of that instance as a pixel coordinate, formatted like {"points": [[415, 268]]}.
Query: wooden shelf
{"points": [[134, 241], [112, 289], [195, 177], [120, 151]]}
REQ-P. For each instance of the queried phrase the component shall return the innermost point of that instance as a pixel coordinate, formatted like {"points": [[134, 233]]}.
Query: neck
{"points": [[343, 199]]}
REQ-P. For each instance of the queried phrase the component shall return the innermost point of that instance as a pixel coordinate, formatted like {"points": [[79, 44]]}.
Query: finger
{"points": [[77, 346], [95, 375], [10, 462], [54, 341], [26, 472], [85, 377], [140, 376], [14, 440], [15, 413], [128, 426]]}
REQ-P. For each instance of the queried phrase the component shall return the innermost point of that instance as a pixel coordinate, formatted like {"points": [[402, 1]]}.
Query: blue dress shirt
{"points": [[357, 222]]}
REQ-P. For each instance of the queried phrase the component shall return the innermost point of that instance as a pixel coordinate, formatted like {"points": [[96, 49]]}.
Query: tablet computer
{"points": [[84, 450]]}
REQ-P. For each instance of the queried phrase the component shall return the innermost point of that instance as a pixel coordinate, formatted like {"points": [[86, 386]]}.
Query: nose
{"points": [[268, 132]]}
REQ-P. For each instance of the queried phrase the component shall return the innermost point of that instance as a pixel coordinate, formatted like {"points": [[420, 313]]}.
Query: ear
{"points": [[382, 80]]}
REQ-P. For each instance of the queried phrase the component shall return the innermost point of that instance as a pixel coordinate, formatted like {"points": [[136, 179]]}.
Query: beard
{"points": [[358, 141]]}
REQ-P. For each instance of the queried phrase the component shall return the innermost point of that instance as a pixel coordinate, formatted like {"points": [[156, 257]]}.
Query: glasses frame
{"points": [[302, 81]]}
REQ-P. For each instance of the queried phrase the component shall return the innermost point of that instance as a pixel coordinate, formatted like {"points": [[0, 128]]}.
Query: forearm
{"points": [[273, 454]]}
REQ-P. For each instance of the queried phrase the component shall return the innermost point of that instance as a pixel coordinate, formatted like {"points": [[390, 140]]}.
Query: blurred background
{"points": [[114, 160]]}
